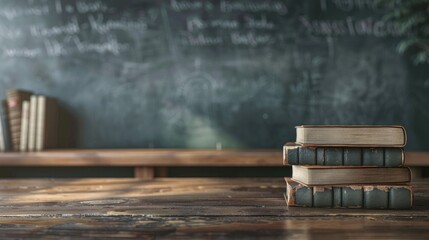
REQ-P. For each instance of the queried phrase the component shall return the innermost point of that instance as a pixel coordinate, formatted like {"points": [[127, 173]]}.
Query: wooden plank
{"points": [[147, 227], [417, 159], [161, 172], [171, 197], [416, 172], [189, 208], [144, 158], [164, 158], [144, 172]]}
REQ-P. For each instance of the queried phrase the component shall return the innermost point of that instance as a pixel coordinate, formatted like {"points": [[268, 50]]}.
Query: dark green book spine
{"points": [[346, 156], [376, 198], [354, 196], [393, 156], [290, 155], [351, 197], [399, 198], [373, 156], [307, 156], [337, 197], [320, 156], [322, 196], [352, 157], [334, 156]]}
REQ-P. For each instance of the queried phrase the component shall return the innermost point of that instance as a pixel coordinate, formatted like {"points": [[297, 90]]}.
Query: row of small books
{"points": [[348, 167], [29, 122]]}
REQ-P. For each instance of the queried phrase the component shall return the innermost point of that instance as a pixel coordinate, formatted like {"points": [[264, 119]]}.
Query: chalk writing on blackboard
{"points": [[352, 27], [173, 69]]}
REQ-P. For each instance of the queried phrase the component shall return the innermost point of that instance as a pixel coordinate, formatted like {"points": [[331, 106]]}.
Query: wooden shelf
{"points": [[144, 158], [417, 159], [164, 158]]}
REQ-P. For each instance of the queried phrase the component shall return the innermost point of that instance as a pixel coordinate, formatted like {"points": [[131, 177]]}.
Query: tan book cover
{"points": [[32, 123], [3, 127], [351, 135], [14, 102], [324, 175], [24, 126], [47, 123]]}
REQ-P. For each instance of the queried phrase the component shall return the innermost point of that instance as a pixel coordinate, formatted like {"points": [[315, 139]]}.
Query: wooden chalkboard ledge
{"points": [[148, 163], [145, 160]]}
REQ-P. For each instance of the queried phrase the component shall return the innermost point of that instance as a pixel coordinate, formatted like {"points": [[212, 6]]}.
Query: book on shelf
{"points": [[32, 128], [369, 196], [296, 154], [351, 135], [4, 127], [25, 115], [46, 123], [15, 98], [332, 175]]}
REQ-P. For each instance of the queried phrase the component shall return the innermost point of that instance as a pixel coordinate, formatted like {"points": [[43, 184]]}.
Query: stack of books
{"points": [[348, 167], [28, 122]]}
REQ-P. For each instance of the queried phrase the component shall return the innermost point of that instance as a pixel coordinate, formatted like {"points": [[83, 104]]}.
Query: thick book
{"points": [[25, 117], [351, 135], [4, 129], [14, 102], [332, 175], [296, 154], [32, 128], [47, 120], [369, 196]]}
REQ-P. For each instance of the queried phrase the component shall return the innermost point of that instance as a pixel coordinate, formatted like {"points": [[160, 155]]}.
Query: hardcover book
{"points": [[24, 126], [47, 120], [369, 196], [4, 128], [32, 128], [296, 154], [324, 175], [351, 135], [14, 103]]}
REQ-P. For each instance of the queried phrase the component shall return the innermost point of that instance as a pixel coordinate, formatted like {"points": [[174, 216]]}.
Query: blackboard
{"points": [[212, 74]]}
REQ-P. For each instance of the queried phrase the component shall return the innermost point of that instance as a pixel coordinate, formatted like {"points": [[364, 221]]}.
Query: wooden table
{"points": [[190, 208]]}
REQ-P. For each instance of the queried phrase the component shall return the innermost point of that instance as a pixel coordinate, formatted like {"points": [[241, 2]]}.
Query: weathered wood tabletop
{"points": [[190, 208]]}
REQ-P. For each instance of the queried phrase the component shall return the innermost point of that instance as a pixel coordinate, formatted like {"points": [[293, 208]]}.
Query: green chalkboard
{"points": [[207, 74]]}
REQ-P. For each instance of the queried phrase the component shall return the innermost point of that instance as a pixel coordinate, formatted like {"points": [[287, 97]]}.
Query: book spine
{"points": [[3, 128], [307, 156], [290, 155], [32, 124], [373, 157], [14, 102], [352, 157], [334, 156], [353, 196], [24, 126], [347, 156], [41, 117], [51, 123], [14, 118], [5, 125]]}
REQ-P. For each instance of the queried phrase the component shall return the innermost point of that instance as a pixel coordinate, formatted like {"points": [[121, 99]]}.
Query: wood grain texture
{"points": [[161, 172], [190, 208], [417, 159], [144, 172], [163, 158], [144, 157]]}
